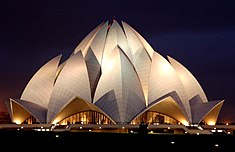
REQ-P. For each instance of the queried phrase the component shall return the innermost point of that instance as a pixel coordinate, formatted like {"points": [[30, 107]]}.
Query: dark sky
{"points": [[200, 34]]}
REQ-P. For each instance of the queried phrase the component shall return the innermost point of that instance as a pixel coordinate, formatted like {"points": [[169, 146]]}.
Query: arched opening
{"points": [[152, 117], [86, 117], [30, 120]]}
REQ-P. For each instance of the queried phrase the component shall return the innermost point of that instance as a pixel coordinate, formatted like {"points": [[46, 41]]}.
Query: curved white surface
{"points": [[191, 85], [39, 88], [72, 81]]}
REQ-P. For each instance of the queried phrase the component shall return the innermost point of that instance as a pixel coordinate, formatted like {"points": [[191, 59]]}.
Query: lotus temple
{"points": [[112, 78]]}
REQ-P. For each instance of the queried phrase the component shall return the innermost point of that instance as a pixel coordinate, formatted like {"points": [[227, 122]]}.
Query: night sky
{"points": [[200, 34]]}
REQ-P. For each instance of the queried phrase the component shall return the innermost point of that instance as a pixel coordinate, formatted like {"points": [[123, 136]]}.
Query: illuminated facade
{"points": [[113, 77]]}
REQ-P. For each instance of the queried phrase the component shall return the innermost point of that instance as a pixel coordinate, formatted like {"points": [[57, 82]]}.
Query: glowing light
{"points": [[211, 123], [83, 119], [63, 123], [172, 142], [184, 122], [55, 121], [166, 67], [17, 121], [199, 127], [108, 64], [216, 145]]}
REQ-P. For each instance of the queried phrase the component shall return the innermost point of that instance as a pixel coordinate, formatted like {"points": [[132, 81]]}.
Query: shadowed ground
{"points": [[115, 141]]}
